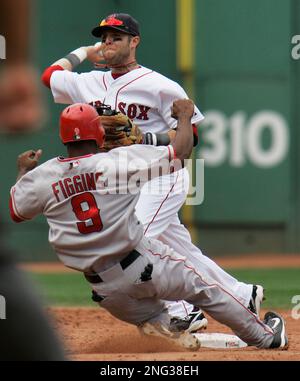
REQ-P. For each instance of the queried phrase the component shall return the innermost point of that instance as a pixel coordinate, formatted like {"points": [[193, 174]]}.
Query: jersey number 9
{"points": [[86, 210]]}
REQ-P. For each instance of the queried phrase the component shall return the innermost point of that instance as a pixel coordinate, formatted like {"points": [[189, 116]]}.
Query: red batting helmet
{"points": [[81, 121]]}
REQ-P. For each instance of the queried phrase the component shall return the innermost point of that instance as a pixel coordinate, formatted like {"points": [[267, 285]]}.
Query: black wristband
{"points": [[156, 139], [73, 59]]}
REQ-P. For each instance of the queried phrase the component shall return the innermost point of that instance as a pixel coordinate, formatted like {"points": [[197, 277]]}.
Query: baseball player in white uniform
{"points": [[146, 97], [89, 200]]}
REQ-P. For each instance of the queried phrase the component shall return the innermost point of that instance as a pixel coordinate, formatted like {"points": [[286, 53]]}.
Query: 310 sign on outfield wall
{"points": [[238, 139]]}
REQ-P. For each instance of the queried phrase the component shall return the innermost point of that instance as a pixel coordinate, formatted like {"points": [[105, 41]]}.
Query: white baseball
{"points": [[100, 51]]}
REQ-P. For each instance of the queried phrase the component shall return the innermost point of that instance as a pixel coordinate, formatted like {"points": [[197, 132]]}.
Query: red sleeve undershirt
{"points": [[46, 76]]}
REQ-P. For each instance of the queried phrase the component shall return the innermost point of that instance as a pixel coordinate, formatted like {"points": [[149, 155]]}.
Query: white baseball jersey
{"points": [[143, 95], [89, 202]]}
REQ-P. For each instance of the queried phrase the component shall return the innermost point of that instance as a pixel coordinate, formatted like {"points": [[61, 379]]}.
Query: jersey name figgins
{"points": [[69, 186]]}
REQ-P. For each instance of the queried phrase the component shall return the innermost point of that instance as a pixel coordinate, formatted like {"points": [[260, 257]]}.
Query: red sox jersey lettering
{"points": [[134, 111]]}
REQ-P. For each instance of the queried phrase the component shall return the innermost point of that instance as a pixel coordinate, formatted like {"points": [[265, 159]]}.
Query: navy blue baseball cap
{"points": [[118, 21]]}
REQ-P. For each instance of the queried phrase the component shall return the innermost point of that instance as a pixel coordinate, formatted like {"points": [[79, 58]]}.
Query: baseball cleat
{"points": [[184, 339], [194, 322], [256, 300], [276, 322]]}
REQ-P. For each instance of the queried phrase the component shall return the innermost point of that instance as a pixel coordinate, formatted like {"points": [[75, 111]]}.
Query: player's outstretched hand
{"points": [[28, 160], [182, 108]]}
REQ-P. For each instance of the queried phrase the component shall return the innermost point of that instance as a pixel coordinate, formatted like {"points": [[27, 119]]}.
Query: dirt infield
{"points": [[93, 334]]}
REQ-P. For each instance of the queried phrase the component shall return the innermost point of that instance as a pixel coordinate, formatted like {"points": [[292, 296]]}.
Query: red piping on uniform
{"points": [[15, 215], [213, 284], [149, 72], [46, 76], [161, 204], [104, 83], [171, 156], [74, 158], [169, 151]]}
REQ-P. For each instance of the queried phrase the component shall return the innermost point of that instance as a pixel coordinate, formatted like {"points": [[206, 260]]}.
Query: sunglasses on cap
{"points": [[112, 21], [119, 21]]}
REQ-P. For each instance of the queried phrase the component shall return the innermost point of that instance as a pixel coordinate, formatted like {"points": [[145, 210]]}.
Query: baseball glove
{"points": [[119, 129]]}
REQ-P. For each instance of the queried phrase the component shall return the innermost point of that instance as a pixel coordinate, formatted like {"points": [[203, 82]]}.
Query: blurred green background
{"points": [[245, 82]]}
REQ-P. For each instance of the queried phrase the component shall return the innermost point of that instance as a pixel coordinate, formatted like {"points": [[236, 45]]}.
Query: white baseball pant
{"points": [[157, 208], [174, 277]]}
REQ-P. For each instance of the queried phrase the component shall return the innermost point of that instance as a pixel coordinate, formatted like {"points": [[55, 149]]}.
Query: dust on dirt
{"points": [[94, 334]]}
